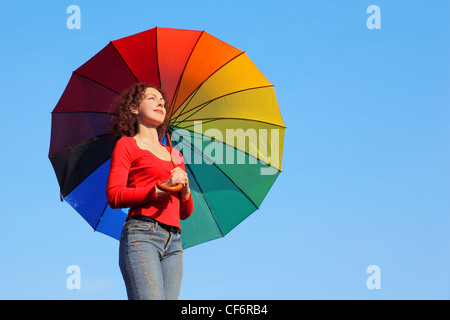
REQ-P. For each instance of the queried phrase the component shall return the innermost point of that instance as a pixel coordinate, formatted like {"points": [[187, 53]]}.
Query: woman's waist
{"points": [[169, 216], [168, 228]]}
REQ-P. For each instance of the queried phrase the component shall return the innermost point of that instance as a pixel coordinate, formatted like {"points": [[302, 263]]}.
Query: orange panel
{"points": [[209, 55]]}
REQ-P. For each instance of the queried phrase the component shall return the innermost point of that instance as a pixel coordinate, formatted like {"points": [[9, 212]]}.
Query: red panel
{"points": [[139, 53], [82, 94], [174, 48]]}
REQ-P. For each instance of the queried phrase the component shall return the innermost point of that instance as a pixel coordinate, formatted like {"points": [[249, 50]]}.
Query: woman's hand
{"points": [[177, 176]]}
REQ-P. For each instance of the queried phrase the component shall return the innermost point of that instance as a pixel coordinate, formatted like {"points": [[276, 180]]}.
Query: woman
{"points": [[150, 254]]}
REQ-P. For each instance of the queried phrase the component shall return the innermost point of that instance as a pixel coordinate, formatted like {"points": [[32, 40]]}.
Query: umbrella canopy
{"points": [[224, 118]]}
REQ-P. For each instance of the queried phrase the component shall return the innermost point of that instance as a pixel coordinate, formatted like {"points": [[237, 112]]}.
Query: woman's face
{"points": [[151, 110]]}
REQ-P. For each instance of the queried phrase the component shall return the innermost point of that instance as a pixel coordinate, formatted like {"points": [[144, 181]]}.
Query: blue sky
{"points": [[365, 176]]}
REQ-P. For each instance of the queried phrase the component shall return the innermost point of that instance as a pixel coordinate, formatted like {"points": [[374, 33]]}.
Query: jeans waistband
{"points": [[162, 225]]}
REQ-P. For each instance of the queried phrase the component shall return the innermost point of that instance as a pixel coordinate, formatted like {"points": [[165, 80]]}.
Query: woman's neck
{"points": [[148, 135]]}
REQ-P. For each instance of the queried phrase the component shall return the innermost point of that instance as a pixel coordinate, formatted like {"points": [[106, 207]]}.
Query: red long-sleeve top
{"points": [[132, 180]]}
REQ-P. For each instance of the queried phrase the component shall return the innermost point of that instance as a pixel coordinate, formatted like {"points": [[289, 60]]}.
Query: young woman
{"points": [[150, 253]]}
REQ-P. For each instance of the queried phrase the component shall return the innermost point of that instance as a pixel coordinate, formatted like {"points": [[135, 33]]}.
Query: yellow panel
{"points": [[256, 104]]}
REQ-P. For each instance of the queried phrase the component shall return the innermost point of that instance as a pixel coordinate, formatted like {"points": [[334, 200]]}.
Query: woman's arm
{"points": [[186, 208]]}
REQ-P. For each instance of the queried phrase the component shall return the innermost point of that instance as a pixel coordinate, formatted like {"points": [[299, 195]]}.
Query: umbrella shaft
{"points": [[170, 146]]}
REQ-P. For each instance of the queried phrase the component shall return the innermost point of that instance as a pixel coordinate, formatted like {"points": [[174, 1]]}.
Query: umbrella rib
{"points": [[176, 123], [101, 216], [195, 150], [205, 104], [157, 60], [193, 125], [64, 175], [101, 84], [128, 67], [208, 120]]}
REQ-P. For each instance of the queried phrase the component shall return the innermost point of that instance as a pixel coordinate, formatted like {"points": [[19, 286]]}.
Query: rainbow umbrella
{"points": [[224, 118]]}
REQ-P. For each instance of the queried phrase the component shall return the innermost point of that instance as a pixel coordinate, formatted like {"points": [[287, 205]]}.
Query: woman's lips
{"points": [[160, 111]]}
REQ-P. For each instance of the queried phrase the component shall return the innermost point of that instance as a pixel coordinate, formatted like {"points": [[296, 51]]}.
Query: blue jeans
{"points": [[151, 261]]}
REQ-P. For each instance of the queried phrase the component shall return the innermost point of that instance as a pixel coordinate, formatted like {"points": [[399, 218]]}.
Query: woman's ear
{"points": [[134, 110]]}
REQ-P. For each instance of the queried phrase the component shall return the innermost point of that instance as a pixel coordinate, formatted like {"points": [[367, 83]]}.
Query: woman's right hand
{"points": [[177, 177]]}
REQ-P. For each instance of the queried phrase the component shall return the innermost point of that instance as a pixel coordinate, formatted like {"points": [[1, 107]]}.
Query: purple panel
{"points": [[71, 128]]}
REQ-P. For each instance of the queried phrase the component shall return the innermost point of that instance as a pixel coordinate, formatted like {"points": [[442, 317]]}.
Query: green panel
{"points": [[252, 176], [228, 204], [200, 226]]}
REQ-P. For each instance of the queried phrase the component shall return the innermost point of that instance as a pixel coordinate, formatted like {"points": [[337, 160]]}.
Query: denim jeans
{"points": [[151, 261]]}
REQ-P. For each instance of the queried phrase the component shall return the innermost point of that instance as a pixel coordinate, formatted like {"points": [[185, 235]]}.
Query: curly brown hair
{"points": [[124, 122]]}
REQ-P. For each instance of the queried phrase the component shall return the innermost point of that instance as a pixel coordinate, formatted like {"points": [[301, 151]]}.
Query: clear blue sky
{"points": [[365, 181]]}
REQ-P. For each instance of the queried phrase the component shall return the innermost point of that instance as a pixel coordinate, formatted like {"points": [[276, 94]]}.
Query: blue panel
{"points": [[112, 222], [89, 198]]}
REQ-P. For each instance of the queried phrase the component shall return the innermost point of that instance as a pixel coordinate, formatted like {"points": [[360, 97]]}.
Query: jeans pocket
{"points": [[137, 227]]}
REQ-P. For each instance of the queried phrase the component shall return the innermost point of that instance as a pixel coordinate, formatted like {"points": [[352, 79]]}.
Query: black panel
{"points": [[75, 164]]}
